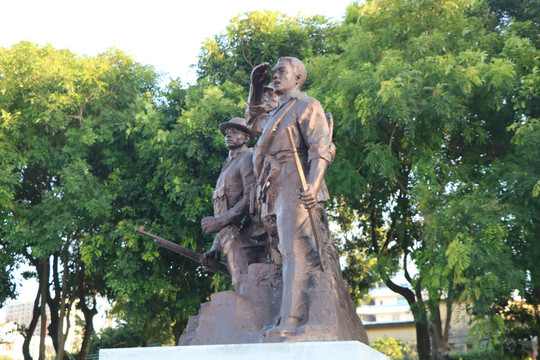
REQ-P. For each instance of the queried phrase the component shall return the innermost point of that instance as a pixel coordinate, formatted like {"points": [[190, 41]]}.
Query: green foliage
{"points": [[358, 274], [520, 16], [7, 281], [536, 189], [423, 95], [394, 349], [66, 118], [122, 336], [519, 324], [264, 36], [490, 328], [475, 354]]}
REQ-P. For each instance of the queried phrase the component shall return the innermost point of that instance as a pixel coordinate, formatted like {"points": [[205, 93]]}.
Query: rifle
{"points": [[314, 226], [193, 255]]}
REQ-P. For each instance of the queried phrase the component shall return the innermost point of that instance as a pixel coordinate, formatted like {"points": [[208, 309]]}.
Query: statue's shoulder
{"points": [[304, 98], [246, 156], [244, 164], [305, 101]]}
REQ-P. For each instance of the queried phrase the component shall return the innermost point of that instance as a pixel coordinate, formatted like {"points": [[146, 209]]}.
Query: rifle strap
{"points": [[267, 136]]}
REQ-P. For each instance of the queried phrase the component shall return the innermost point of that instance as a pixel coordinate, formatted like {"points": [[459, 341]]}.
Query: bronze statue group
{"points": [[269, 202]]}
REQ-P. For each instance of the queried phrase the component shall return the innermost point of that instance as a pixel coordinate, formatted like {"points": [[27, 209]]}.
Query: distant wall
{"points": [[404, 331]]}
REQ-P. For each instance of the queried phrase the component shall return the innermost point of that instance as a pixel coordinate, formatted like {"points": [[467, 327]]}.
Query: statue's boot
{"points": [[286, 328]]}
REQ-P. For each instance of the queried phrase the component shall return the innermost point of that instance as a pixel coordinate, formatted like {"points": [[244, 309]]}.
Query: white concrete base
{"points": [[325, 350]]}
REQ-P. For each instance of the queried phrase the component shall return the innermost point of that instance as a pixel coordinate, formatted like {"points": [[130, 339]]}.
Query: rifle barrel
{"points": [[193, 255]]}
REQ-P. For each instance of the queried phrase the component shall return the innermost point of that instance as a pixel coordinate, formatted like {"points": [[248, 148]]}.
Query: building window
{"points": [[369, 318], [402, 301], [395, 317]]}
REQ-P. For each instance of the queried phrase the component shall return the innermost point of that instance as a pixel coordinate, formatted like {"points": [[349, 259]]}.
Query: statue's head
{"points": [[236, 133], [288, 75], [270, 97]]}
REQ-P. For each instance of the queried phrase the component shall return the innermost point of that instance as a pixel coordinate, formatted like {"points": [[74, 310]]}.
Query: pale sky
{"points": [[164, 33]]}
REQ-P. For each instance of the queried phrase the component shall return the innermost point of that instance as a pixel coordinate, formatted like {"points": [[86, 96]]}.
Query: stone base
{"points": [[232, 317], [343, 350], [246, 315]]}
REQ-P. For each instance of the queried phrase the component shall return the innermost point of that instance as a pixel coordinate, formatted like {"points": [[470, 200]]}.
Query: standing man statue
{"points": [[236, 235], [281, 200]]}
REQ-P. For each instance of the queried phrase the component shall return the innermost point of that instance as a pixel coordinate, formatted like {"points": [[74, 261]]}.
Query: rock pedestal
{"points": [[238, 317], [245, 316]]}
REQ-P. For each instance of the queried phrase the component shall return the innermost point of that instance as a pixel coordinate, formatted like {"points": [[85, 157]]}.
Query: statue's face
{"points": [[270, 100], [283, 77], [235, 138]]}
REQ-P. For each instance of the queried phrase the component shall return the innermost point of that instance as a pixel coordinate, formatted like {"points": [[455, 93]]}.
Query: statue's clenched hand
{"points": [[259, 74], [210, 259], [309, 197]]}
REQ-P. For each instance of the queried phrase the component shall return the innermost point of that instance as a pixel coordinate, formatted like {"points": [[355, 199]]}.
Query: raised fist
{"points": [[259, 74]]}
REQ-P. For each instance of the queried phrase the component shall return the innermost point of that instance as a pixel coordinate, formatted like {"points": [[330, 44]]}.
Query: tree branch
{"points": [[407, 293]]}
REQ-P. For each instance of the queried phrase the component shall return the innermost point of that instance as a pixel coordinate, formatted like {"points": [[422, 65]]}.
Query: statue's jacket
{"points": [[273, 157], [231, 199]]}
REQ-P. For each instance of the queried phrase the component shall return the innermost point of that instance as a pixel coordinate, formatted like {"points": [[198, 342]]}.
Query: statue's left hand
{"points": [[210, 259], [211, 224], [309, 197], [259, 74]]}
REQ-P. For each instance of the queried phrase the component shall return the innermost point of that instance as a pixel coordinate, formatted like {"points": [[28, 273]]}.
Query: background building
{"points": [[387, 314], [18, 314]]}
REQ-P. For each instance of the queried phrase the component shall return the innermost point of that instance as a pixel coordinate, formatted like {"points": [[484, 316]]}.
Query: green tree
{"points": [[10, 160], [519, 175], [66, 118], [520, 186], [394, 349], [422, 97], [121, 336]]}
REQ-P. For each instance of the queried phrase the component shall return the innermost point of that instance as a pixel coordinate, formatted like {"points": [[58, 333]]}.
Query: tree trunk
{"points": [[44, 289], [31, 328], [423, 344], [53, 325], [420, 318], [178, 329], [439, 334], [62, 335], [53, 305], [56, 331], [88, 313], [88, 331], [57, 305]]}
